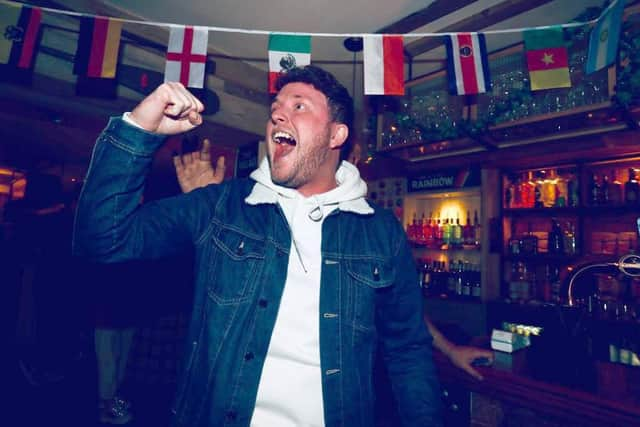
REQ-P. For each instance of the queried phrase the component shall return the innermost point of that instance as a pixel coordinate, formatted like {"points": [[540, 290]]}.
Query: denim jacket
{"points": [[368, 291]]}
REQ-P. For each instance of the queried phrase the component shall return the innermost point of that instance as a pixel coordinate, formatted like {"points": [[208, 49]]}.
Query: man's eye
{"points": [[299, 107]]}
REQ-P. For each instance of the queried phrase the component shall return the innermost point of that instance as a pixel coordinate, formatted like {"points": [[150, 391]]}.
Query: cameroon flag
{"points": [[19, 27], [547, 58]]}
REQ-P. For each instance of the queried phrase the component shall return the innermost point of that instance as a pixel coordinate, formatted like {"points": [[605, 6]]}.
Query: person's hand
{"points": [[194, 170], [463, 357], [168, 110]]}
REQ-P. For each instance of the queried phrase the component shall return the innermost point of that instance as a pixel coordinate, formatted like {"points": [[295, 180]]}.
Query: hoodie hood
{"points": [[348, 196]]}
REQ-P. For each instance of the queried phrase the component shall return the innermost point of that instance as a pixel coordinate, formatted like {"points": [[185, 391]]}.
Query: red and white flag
{"points": [[383, 65], [186, 55], [467, 64]]}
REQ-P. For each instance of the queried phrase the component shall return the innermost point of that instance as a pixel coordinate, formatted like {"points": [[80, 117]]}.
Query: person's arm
{"points": [[460, 355], [110, 225], [194, 170]]}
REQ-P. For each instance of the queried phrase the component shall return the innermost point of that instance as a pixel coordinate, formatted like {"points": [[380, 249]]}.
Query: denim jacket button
{"points": [[263, 303], [231, 415], [248, 356]]}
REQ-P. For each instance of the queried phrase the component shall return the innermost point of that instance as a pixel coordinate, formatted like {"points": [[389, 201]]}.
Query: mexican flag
{"points": [[547, 58], [286, 52]]}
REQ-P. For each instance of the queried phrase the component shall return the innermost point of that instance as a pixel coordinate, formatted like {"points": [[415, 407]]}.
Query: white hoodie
{"points": [[290, 389]]}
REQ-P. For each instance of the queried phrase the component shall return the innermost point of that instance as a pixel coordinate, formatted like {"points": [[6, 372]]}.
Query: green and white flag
{"points": [[285, 53]]}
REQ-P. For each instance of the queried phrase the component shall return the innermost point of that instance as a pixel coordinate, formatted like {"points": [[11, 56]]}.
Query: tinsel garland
{"points": [[627, 90]]}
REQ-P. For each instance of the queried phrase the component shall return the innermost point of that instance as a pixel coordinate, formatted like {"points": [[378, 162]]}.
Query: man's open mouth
{"points": [[281, 137]]}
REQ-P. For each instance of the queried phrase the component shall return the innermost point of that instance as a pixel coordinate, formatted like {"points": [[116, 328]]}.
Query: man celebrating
{"points": [[298, 277]]}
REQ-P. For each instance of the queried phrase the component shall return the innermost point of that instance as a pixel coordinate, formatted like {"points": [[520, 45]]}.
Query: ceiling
{"points": [[48, 126]]}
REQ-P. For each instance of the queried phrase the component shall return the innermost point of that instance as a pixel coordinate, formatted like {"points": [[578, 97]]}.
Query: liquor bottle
{"points": [[615, 189], [467, 232], [604, 190], [517, 193], [446, 232], [411, 228], [549, 189], [466, 280], [457, 232], [631, 189], [426, 278], [477, 229], [427, 232], [594, 191], [573, 191], [562, 191], [537, 191], [438, 233], [569, 239], [476, 282], [419, 235], [528, 191], [529, 242], [508, 194], [556, 240]]}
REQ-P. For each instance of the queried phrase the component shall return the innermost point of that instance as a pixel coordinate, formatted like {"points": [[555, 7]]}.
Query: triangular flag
{"points": [[286, 52], [20, 26], [547, 58], [98, 46], [383, 65], [467, 64], [603, 41], [187, 55]]}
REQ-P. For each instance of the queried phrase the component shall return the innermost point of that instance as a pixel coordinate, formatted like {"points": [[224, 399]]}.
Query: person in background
{"points": [[115, 326], [47, 306], [299, 280], [195, 170]]}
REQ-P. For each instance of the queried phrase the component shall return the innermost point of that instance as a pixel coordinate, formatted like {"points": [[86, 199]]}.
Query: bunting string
{"points": [[293, 33]]}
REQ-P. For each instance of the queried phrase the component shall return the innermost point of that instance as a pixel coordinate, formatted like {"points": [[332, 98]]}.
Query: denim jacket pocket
{"points": [[370, 280], [237, 261]]}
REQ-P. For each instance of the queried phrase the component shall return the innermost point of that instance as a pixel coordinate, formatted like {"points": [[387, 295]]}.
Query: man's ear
{"points": [[339, 134]]}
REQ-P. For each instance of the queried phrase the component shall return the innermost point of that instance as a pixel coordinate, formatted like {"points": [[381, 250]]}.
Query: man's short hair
{"points": [[340, 102]]}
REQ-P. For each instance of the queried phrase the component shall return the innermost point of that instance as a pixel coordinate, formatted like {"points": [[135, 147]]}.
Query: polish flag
{"points": [[467, 64], [186, 55], [383, 65]]}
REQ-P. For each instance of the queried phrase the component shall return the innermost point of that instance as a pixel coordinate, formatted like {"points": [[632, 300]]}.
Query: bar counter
{"points": [[533, 387]]}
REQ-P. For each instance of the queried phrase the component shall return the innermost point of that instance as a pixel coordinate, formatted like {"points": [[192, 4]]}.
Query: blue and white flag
{"points": [[603, 41]]}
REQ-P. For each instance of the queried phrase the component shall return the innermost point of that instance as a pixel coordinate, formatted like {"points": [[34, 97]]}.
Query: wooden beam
{"points": [[233, 70], [435, 10], [477, 22]]}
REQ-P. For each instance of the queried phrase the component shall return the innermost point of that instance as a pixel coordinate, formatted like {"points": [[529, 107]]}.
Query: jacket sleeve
{"points": [[111, 225], [406, 344]]}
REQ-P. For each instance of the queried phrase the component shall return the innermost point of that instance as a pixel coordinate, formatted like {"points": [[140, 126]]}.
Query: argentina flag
{"points": [[603, 41]]}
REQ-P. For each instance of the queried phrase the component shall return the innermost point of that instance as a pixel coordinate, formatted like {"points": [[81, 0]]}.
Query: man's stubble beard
{"points": [[305, 164]]}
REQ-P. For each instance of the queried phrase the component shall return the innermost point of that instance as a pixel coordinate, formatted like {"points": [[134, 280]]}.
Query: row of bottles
{"points": [[542, 189], [437, 232], [459, 279], [531, 282], [608, 190], [559, 240], [559, 188]]}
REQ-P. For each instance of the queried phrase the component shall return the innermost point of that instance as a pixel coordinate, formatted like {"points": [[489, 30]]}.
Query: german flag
{"points": [[20, 26], [98, 45]]}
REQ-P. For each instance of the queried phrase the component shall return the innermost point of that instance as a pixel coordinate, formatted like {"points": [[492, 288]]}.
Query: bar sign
{"points": [[452, 178]]}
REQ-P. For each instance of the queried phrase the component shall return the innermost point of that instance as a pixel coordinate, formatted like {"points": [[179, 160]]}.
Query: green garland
{"points": [[627, 88]]}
